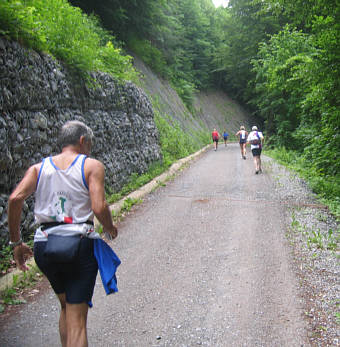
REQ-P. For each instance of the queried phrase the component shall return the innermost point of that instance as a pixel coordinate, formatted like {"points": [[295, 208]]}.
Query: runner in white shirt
{"points": [[69, 191], [255, 138], [242, 134]]}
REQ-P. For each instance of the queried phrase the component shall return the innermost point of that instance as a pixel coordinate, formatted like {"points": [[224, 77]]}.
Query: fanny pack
{"points": [[61, 249]]}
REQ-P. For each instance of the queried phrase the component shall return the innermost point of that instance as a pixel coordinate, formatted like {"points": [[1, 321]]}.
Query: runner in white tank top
{"points": [[62, 196], [242, 134]]}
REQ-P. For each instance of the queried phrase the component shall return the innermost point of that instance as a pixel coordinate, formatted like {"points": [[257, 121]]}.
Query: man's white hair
{"points": [[71, 132]]}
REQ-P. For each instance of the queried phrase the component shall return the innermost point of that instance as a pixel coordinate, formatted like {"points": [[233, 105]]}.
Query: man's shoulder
{"points": [[92, 163], [35, 167]]}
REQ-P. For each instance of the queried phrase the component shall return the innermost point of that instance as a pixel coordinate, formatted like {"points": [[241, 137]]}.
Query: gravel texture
{"points": [[314, 236]]}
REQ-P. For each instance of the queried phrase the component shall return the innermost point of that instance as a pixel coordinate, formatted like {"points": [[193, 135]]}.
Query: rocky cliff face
{"points": [[37, 95]]}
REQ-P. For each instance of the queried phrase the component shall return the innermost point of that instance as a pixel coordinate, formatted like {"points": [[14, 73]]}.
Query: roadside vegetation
{"points": [[314, 237], [66, 33], [175, 144], [13, 294], [326, 188]]}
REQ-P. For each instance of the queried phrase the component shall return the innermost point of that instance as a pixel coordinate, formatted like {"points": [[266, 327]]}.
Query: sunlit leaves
{"points": [[65, 32]]}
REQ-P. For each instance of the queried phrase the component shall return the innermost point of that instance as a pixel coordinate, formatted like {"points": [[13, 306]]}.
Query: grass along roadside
{"points": [[327, 188], [14, 286], [314, 236]]}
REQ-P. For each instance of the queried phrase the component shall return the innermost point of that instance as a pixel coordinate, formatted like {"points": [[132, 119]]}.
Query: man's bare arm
{"points": [[95, 174], [23, 190], [16, 200]]}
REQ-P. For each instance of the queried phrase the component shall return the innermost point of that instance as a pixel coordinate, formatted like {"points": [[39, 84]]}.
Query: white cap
{"points": [[254, 127]]}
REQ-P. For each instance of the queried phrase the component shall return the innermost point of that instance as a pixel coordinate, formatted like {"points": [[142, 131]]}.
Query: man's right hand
{"points": [[111, 234], [21, 254]]}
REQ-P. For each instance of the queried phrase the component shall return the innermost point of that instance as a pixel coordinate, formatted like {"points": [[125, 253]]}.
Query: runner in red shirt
{"points": [[215, 137]]}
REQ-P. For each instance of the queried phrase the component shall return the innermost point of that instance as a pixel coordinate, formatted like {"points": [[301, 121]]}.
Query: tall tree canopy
{"points": [[279, 57]]}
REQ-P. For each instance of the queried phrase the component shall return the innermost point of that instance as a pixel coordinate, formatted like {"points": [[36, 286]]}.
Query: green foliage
{"points": [[136, 181], [6, 259], [65, 32], [327, 187], [186, 91], [12, 294], [175, 38], [293, 86], [281, 83], [320, 240], [151, 55], [249, 23], [316, 238], [22, 23], [337, 316], [9, 295], [175, 143], [128, 203]]}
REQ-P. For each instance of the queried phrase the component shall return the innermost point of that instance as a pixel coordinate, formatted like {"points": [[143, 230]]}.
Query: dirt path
{"points": [[204, 262]]}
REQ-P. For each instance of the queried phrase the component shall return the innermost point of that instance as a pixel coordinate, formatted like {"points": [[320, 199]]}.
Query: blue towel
{"points": [[108, 263]]}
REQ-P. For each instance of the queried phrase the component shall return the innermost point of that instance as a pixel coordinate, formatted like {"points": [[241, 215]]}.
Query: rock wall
{"points": [[38, 94]]}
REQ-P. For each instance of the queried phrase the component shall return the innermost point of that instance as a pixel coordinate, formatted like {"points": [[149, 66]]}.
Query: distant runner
{"points": [[242, 134], [225, 137], [256, 139], [215, 137]]}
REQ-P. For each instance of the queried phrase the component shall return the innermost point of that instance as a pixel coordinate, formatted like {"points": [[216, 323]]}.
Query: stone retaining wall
{"points": [[37, 95]]}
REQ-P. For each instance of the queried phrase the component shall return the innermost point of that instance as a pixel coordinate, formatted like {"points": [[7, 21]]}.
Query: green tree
{"points": [[281, 84], [249, 23]]}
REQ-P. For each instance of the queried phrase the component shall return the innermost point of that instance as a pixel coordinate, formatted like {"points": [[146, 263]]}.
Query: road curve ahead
{"points": [[204, 262]]}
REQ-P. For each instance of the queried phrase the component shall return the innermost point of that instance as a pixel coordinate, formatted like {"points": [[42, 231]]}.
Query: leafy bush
{"points": [[21, 22], [175, 143], [185, 90], [150, 55], [65, 32]]}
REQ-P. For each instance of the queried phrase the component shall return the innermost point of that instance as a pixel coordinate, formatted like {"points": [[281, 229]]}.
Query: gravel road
{"points": [[205, 261]]}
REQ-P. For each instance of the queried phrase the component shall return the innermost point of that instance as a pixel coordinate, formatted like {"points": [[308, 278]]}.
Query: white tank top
{"points": [[62, 195], [243, 134]]}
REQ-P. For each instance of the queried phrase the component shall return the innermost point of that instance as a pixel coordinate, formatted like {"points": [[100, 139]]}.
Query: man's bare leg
{"points": [[76, 319], [259, 164], [62, 319], [256, 163]]}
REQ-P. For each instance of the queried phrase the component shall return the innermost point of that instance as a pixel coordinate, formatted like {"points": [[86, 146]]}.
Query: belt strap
{"points": [[48, 225]]}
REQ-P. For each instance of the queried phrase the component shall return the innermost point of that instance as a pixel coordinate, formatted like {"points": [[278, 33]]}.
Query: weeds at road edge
{"points": [[12, 294]]}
